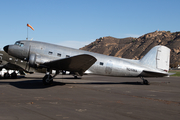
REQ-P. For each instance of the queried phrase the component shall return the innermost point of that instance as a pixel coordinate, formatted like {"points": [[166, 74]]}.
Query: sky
{"points": [[76, 23]]}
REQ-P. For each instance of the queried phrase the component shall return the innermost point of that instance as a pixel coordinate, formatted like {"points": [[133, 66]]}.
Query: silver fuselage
{"points": [[105, 65]]}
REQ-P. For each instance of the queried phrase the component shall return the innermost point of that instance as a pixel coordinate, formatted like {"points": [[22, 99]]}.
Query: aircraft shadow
{"points": [[37, 84]]}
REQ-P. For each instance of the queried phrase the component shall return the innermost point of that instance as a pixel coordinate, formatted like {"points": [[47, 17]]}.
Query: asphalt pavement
{"points": [[90, 98]]}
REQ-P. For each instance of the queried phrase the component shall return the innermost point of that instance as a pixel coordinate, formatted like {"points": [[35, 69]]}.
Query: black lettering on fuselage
{"points": [[131, 69]]}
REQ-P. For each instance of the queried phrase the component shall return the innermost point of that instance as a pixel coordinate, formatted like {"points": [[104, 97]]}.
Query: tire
{"points": [[145, 82], [6, 76], [46, 80]]}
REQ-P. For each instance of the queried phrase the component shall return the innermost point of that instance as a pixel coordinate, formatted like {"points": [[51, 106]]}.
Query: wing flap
{"points": [[79, 63]]}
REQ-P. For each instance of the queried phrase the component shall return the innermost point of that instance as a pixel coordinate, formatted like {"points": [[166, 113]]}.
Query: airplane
{"points": [[11, 63], [55, 57]]}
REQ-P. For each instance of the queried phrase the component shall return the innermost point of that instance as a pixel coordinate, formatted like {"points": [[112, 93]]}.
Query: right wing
{"points": [[79, 63]]}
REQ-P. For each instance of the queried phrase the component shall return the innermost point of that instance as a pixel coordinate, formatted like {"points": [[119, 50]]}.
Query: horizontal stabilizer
{"points": [[79, 63], [146, 73]]}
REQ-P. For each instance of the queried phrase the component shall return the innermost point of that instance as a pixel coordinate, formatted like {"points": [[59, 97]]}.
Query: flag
{"points": [[30, 26]]}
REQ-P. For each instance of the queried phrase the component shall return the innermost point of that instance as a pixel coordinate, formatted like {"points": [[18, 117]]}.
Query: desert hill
{"points": [[136, 48]]}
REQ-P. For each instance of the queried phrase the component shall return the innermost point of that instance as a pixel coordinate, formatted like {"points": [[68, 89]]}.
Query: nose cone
{"points": [[6, 48]]}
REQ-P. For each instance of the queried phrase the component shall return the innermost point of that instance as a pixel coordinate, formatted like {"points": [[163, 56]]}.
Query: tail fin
{"points": [[158, 57]]}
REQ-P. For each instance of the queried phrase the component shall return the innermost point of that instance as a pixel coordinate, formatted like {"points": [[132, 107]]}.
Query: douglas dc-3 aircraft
{"points": [[54, 57]]}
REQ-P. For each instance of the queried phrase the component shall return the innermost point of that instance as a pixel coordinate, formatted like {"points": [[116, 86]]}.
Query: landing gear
{"points": [[13, 75], [75, 77], [145, 82], [6, 75], [48, 79]]}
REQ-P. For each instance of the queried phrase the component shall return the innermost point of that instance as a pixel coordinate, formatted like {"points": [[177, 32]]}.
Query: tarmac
{"points": [[90, 98]]}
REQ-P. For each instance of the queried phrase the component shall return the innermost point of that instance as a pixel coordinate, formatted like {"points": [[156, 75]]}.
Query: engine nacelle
{"points": [[32, 60], [36, 60]]}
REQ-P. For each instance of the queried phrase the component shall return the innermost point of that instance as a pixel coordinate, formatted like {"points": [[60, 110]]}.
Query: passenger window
{"points": [[50, 53], [101, 63], [67, 56], [58, 54]]}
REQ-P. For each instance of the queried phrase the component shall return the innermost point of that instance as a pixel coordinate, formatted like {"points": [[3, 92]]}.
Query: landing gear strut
{"points": [[48, 79], [145, 82]]}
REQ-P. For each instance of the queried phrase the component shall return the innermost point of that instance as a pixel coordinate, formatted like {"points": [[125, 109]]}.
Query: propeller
{"points": [[27, 63]]}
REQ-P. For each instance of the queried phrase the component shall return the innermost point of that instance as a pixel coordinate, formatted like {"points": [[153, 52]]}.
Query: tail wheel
{"points": [[47, 80], [145, 82]]}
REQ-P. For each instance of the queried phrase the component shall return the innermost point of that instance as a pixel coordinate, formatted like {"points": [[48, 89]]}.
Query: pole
{"points": [[27, 33]]}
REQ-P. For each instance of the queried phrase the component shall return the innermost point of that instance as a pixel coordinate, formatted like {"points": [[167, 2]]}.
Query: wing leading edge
{"points": [[79, 63]]}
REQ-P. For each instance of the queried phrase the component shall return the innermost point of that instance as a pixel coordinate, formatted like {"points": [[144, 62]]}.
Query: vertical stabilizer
{"points": [[158, 57]]}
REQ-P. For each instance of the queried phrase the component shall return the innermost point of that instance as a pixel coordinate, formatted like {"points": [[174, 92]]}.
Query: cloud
{"points": [[75, 44]]}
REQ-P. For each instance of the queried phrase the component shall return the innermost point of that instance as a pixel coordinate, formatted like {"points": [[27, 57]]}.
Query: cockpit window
{"points": [[19, 44]]}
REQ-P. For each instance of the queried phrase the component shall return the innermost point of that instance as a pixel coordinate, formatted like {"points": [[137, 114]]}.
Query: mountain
{"points": [[136, 48]]}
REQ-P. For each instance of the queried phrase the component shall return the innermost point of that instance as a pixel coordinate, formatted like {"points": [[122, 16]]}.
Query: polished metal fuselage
{"points": [[105, 65]]}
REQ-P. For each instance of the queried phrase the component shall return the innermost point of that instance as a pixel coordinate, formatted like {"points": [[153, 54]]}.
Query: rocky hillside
{"points": [[136, 48]]}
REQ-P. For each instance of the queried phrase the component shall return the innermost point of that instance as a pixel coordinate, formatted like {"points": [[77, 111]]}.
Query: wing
{"points": [[79, 63]]}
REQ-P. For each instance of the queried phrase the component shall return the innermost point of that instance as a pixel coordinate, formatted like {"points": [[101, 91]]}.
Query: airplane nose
{"points": [[6, 48]]}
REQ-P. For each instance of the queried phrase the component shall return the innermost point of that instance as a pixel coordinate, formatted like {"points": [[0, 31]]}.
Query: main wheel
{"points": [[47, 80]]}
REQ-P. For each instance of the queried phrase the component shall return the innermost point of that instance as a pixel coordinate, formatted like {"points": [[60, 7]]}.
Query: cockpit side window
{"points": [[19, 44]]}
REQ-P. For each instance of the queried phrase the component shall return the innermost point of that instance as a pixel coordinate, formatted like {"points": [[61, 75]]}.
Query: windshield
{"points": [[19, 44]]}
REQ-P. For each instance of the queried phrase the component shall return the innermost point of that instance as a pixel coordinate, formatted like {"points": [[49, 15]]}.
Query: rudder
{"points": [[158, 57]]}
